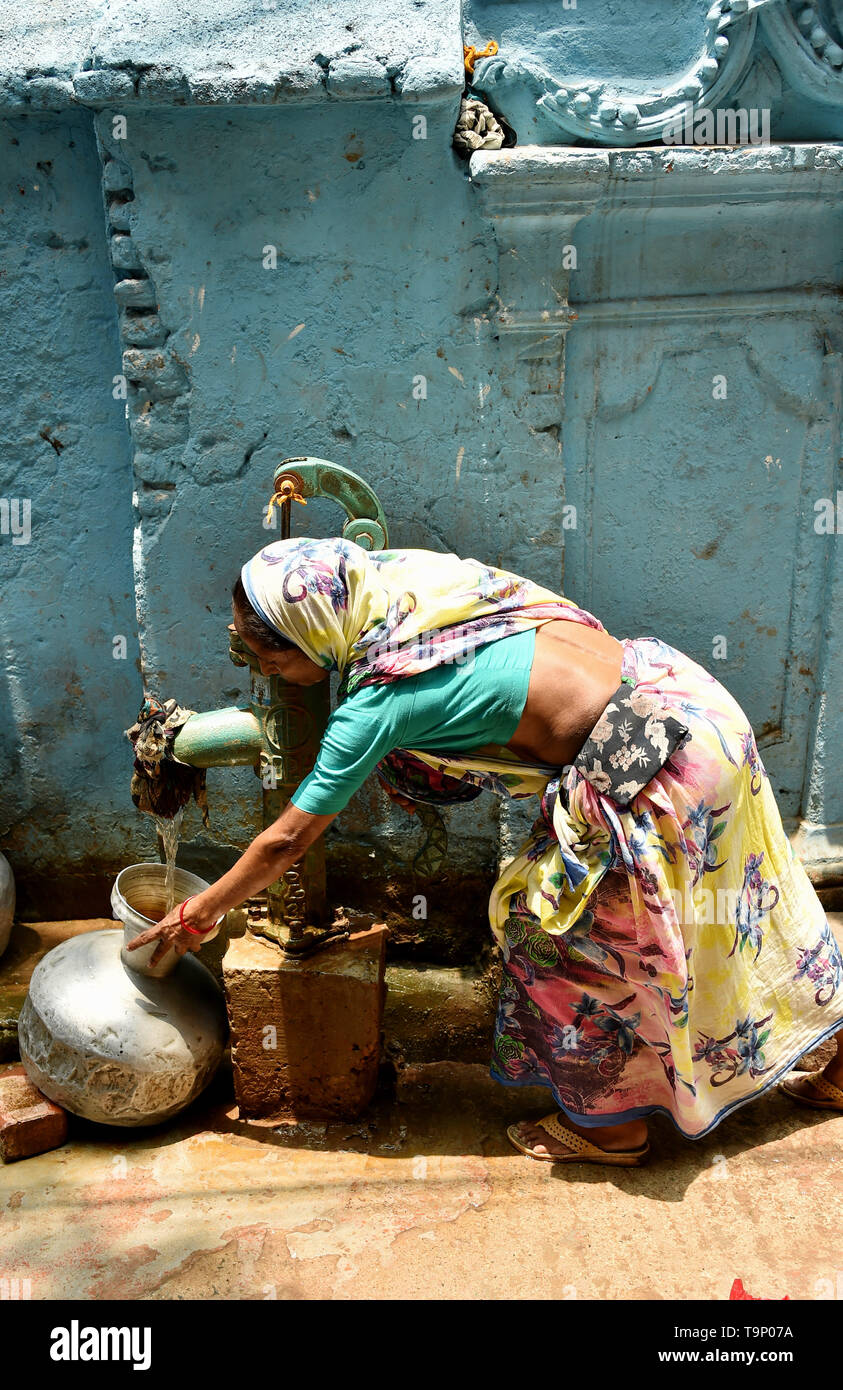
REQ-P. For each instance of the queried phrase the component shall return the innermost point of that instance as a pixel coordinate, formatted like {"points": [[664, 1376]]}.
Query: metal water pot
{"points": [[111, 1038]]}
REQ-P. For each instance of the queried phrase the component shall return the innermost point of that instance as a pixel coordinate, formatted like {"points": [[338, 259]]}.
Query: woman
{"points": [[663, 949]]}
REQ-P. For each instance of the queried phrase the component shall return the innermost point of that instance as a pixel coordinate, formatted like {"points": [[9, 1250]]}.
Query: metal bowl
{"points": [[139, 900]]}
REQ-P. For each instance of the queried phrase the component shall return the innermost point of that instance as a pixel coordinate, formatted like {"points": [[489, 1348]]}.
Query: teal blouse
{"points": [[455, 707]]}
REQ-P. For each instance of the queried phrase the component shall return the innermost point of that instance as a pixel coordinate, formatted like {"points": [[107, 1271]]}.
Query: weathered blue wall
{"points": [[700, 421], [385, 272], [63, 446], [547, 383]]}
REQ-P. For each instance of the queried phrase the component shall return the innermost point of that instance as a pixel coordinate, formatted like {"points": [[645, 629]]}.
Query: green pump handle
{"points": [[315, 477]]}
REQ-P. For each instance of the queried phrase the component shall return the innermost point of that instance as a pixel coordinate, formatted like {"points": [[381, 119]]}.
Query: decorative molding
{"points": [[604, 114], [537, 180], [807, 53], [422, 80], [641, 373], [536, 196], [825, 304]]}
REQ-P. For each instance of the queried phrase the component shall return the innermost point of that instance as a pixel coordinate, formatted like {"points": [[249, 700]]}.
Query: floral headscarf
{"points": [[378, 616]]}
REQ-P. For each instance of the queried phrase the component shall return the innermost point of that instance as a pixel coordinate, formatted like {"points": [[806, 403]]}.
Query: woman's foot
{"points": [[804, 1087], [812, 1088], [834, 1076], [613, 1138], [834, 1071]]}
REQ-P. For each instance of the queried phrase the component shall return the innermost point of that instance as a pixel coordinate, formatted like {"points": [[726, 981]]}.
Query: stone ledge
{"points": [[438, 1013], [140, 52], [538, 179]]}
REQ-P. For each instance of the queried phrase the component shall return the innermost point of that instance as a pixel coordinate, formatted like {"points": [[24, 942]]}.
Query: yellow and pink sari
{"points": [[662, 951]]}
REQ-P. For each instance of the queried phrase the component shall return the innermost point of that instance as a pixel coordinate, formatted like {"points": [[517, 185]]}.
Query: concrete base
{"points": [[305, 1035], [437, 1013]]}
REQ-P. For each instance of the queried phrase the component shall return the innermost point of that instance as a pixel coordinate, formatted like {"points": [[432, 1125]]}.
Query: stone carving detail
{"points": [[809, 56], [295, 898], [604, 114]]}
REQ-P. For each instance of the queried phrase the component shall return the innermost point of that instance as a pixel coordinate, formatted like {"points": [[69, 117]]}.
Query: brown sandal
{"points": [[584, 1152], [833, 1094]]}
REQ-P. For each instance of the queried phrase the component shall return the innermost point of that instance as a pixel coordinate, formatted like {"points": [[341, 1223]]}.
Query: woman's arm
{"points": [[269, 856]]}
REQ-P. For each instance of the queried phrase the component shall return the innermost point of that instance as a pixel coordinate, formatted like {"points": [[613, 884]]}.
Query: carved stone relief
{"points": [[736, 37]]}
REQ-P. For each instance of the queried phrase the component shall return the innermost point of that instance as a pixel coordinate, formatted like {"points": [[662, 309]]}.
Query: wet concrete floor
{"points": [[425, 1198]]}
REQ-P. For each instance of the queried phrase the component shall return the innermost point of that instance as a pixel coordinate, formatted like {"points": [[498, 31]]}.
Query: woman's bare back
{"points": [[576, 670]]}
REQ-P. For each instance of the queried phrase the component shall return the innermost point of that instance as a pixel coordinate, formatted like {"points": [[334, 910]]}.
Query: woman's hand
{"points": [[169, 933], [268, 857]]}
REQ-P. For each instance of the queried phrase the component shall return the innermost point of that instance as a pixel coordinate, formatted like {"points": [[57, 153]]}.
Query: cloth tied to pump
{"points": [[161, 785], [477, 128]]}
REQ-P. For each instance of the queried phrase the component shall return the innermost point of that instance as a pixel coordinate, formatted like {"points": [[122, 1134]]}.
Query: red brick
{"points": [[30, 1124]]}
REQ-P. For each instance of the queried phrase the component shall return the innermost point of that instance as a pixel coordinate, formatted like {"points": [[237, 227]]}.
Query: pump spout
{"points": [[229, 737]]}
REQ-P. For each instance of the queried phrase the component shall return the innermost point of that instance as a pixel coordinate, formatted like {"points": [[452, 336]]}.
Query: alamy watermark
{"points": [[456, 646], [828, 515], [83, 1343], [705, 907], [702, 126], [16, 519]]}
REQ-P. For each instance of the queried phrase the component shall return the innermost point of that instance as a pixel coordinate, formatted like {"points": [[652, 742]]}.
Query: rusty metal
{"points": [[292, 720]]}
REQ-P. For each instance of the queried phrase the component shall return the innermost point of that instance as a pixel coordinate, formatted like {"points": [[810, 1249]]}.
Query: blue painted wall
{"points": [[385, 273], [287, 129], [63, 446]]}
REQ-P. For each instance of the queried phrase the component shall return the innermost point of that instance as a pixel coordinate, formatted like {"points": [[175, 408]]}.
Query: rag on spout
{"points": [[161, 785]]}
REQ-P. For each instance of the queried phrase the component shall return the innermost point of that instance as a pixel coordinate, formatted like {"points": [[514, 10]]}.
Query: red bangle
{"points": [[194, 931]]}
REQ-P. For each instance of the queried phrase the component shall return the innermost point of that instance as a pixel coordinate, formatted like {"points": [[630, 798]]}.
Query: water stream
{"points": [[170, 830]]}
